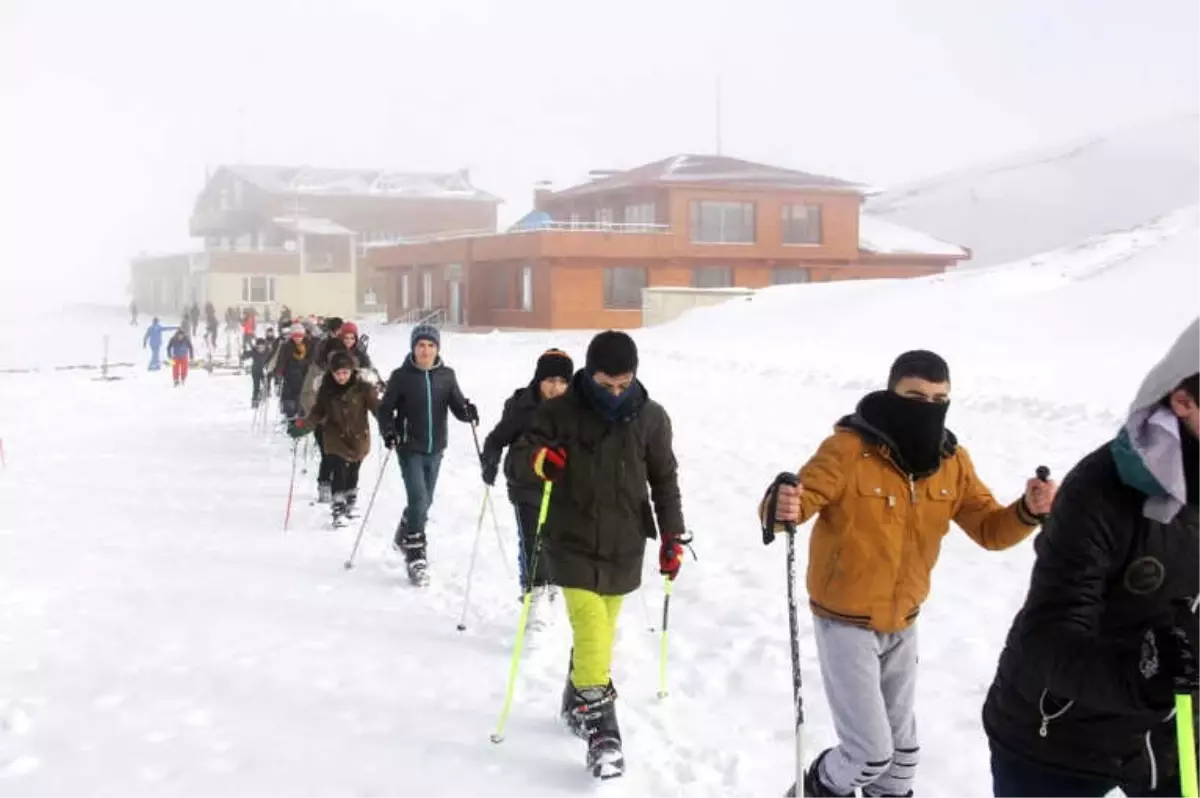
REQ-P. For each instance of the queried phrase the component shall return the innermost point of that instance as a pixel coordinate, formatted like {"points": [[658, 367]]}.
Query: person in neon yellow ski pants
{"points": [[594, 626]]}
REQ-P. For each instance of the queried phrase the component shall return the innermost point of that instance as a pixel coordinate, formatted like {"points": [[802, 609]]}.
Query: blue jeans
{"points": [[1014, 776], [420, 472]]}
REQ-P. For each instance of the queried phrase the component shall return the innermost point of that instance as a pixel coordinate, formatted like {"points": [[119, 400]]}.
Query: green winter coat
{"points": [[601, 514]]}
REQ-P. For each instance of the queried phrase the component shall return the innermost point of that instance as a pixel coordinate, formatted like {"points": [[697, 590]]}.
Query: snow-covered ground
{"points": [[1051, 197], [160, 632]]}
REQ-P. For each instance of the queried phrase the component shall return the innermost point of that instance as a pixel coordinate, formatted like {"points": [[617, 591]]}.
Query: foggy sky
{"points": [[113, 110]]}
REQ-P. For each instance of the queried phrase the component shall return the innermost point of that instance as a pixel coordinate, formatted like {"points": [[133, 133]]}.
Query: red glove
{"points": [[670, 557], [299, 423], [548, 463]]}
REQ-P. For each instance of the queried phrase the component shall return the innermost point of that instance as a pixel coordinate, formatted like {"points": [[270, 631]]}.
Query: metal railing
{"points": [[620, 228], [435, 317]]}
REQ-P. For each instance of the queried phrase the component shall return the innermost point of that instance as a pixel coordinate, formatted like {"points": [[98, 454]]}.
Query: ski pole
{"points": [[487, 499], [462, 622], [1187, 745], [305, 458], [498, 735], [662, 653], [291, 486], [768, 530], [371, 503]]}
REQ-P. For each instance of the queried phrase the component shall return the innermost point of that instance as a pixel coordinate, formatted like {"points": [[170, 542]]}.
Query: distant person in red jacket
{"points": [[179, 352]]}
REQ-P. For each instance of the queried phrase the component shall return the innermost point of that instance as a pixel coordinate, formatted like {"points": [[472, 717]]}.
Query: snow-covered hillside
{"points": [[160, 633], [1037, 201]]}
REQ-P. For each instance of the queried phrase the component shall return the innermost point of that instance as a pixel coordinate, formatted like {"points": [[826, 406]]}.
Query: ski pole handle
{"points": [[768, 526], [1042, 473]]}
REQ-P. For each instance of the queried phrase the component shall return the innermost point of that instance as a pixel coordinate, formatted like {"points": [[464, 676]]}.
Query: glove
{"points": [[491, 467], [550, 463], [390, 440], [670, 557], [1168, 661], [472, 412], [296, 428]]}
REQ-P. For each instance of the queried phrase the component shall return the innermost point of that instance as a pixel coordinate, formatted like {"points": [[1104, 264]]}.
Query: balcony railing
{"points": [[620, 228]]}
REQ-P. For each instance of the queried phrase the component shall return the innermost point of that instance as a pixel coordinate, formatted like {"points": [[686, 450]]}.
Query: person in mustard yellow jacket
{"points": [[884, 488]]}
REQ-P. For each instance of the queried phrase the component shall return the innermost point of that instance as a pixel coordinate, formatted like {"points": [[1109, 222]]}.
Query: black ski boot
{"points": [[413, 547], [338, 508], [352, 503], [593, 716]]}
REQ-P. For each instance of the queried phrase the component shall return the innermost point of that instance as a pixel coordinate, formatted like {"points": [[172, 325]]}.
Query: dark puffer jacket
{"points": [[600, 513], [517, 418], [1067, 691], [415, 405]]}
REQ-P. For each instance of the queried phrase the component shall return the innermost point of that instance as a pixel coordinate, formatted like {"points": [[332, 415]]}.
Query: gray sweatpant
{"points": [[871, 685]]}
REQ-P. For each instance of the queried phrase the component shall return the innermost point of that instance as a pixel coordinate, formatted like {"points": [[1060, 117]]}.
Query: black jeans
{"points": [[325, 469], [528, 544], [257, 378], [1014, 776], [343, 473]]}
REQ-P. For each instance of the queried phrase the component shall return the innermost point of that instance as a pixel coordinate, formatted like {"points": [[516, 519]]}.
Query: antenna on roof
{"points": [[718, 98]]}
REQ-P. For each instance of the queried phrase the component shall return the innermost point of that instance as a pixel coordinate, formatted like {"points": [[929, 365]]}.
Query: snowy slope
{"points": [[1053, 197], [160, 633]]}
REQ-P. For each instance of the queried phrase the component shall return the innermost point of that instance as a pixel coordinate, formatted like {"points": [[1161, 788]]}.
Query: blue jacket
{"points": [[177, 348], [154, 335]]}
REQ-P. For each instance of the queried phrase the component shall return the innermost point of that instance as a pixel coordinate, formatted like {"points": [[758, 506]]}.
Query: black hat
{"points": [[341, 360], [919, 363], [331, 325], [554, 363], [613, 353]]}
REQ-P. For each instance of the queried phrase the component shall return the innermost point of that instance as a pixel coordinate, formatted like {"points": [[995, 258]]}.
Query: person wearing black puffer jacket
{"points": [[1083, 696], [550, 379], [412, 420]]}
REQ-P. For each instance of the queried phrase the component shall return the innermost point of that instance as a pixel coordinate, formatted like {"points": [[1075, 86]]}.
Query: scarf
{"points": [[611, 408], [915, 431]]}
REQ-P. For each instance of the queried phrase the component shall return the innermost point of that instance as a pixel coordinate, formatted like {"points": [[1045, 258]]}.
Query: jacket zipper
{"points": [[429, 407], [908, 531]]}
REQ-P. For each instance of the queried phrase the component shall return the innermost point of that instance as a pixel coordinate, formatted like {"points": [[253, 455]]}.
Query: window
{"points": [[789, 275], [712, 277], [604, 216], [527, 288], [643, 213], [498, 281], [623, 287], [722, 222], [575, 220], [404, 291], [258, 290], [427, 290], [802, 224]]}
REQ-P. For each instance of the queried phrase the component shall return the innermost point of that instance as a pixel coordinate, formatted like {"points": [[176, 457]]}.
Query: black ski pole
{"points": [[768, 530]]}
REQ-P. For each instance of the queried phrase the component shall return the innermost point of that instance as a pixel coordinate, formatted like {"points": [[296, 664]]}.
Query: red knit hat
{"points": [[347, 328]]}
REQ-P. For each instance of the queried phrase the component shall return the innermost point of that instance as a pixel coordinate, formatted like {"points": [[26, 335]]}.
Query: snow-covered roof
{"points": [[882, 237], [712, 170], [362, 182], [312, 226]]}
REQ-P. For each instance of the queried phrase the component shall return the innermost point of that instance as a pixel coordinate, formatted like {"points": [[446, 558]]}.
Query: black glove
{"points": [[491, 467], [1168, 659], [472, 412], [390, 440]]}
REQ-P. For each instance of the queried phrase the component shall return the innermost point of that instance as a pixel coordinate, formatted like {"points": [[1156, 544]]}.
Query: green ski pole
{"points": [[498, 735], [662, 653], [1187, 745]]}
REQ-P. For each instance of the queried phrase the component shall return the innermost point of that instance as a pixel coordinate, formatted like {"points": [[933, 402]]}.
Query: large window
{"points": [[712, 277], [643, 213], [802, 224], [427, 290], [722, 222], [405, 296], [623, 287], [787, 275], [258, 289]]}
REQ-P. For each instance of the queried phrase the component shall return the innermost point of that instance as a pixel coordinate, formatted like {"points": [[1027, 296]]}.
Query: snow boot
{"points": [[593, 716], [338, 508], [812, 781], [352, 503], [324, 493], [413, 546]]}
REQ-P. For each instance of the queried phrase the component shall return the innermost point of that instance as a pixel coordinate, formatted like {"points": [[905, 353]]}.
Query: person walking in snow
{"points": [[323, 349], [412, 420], [154, 340], [194, 319], [291, 367], [344, 402], [551, 377], [258, 357], [272, 342], [180, 353], [212, 329], [1083, 697], [607, 449], [133, 313], [884, 489]]}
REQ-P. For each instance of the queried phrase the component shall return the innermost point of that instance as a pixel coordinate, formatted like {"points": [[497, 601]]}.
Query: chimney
{"points": [[542, 190]]}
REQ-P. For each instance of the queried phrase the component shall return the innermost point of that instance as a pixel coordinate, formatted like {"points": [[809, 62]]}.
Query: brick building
{"points": [[582, 257]]}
